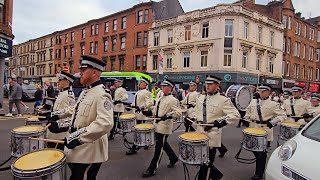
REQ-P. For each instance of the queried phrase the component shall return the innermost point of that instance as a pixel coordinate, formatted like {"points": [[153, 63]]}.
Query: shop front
{"points": [[313, 87], [287, 84], [275, 83]]}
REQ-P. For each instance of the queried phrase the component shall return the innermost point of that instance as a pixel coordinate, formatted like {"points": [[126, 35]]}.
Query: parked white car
{"points": [[299, 157]]}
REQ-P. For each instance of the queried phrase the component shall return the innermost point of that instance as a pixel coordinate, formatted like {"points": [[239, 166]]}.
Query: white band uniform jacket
{"points": [[217, 107], [270, 110], [300, 107], [94, 119], [143, 99], [191, 98], [65, 101], [168, 104], [120, 94]]}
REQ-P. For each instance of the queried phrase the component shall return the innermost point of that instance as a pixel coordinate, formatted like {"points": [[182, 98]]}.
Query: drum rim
{"points": [[294, 127], [134, 116], [27, 132], [152, 127], [27, 173], [265, 132], [240, 87]]}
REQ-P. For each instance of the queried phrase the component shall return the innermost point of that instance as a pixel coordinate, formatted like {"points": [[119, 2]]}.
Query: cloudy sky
{"points": [[35, 18]]}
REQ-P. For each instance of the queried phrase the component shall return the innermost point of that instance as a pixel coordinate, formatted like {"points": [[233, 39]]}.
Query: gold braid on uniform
{"points": [[76, 135]]}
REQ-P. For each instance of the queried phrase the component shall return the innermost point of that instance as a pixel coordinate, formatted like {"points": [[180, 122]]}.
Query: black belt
{"points": [[259, 122]]}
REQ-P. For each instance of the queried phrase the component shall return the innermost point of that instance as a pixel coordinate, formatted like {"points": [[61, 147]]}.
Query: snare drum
{"points": [[40, 165], [288, 130], [20, 142], [143, 135], [34, 121], [254, 139], [127, 121], [193, 148]]}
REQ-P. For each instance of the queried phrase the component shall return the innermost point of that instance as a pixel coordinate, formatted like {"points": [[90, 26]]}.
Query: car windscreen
{"points": [[29, 86], [129, 83], [313, 131]]}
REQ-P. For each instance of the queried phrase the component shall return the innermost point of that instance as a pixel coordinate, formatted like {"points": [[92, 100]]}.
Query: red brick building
{"points": [[119, 39], [301, 42]]}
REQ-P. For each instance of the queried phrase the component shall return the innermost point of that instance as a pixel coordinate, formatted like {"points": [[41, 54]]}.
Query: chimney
{"points": [[298, 14]]}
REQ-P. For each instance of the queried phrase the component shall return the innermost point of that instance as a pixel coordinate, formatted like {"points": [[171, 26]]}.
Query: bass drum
{"points": [[240, 95]]}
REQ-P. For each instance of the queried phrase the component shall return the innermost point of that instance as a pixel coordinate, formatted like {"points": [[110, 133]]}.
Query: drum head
{"points": [[27, 129], [144, 126], [38, 160], [193, 136], [243, 98], [256, 131], [127, 116]]}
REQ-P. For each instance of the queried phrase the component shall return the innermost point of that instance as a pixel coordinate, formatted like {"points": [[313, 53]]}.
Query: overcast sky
{"points": [[35, 18]]}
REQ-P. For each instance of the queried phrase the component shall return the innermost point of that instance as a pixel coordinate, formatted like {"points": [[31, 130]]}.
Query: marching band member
{"points": [[166, 109], [315, 100], [65, 102], [120, 95], [296, 106], [263, 113], [190, 102], [142, 101], [274, 97], [87, 145], [218, 110]]}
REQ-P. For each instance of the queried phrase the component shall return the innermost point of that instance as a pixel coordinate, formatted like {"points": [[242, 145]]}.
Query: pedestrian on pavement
{"points": [[37, 97], [15, 97], [48, 93]]}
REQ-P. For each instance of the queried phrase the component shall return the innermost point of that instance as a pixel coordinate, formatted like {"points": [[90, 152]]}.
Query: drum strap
{"points": [[135, 99], [292, 109], [158, 105], [75, 114], [204, 110], [188, 98], [259, 111]]}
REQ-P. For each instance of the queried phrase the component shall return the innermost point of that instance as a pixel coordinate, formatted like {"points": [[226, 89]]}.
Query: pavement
{"points": [[122, 167]]}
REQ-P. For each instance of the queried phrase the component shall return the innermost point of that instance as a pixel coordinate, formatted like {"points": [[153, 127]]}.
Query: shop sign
{"points": [[302, 84], [313, 87], [5, 47]]}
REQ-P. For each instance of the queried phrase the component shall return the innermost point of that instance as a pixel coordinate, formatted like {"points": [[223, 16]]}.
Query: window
{"points": [[97, 29], [155, 62], [145, 38], [305, 31], [318, 36], [144, 62], [270, 64], [170, 35], [96, 47], [123, 42], [205, 30], [186, 59], [92, 30], [304, 51], [138, 62], [156, 38], [318, 54], [244, 59], [124, 22], [114, 43], [311, 34], [258, 62], [303, 72], [227, 57], [317, 74], [72, 36], [296, 71], [187, 33], [114, 25], [284, 45], [288, 69], [228, 32], [121, 59], [66, 39], [82, 49], [71, 51], [310, 73], [140, 14], [91, 47], [83, 33], [298, 50], [65, 51], [289, 22], [146, 15], [295, 49], [289, 45], [259, 34], [113, 63], [106, 44], [204, 59], [284, 20], [310, 53], [2, 15], [139, 39], [169, 61], [106, 27], [271, 38], [246, 30], [51, 44]]}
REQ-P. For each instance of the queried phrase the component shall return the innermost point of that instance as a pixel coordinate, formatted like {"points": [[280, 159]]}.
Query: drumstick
{"points": [[47, 126], [153, 118], [47, 140], [205, 125]]}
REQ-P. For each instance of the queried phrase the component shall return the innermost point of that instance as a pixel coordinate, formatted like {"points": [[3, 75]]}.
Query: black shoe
{"points": [[222, 154], [172, 163], [148, 173], [146, 147], [131, 151], [256, 177]]}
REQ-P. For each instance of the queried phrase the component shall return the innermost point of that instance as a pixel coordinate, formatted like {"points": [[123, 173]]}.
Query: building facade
{"points": [[300, 43], [230, 41]]}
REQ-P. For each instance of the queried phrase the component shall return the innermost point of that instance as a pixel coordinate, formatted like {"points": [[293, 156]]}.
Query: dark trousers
{"points": [[78, 171], [214, 174], [55, 145], [188, 126], [260, 162], [115, 123], [17, 102], [161, 144]]}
